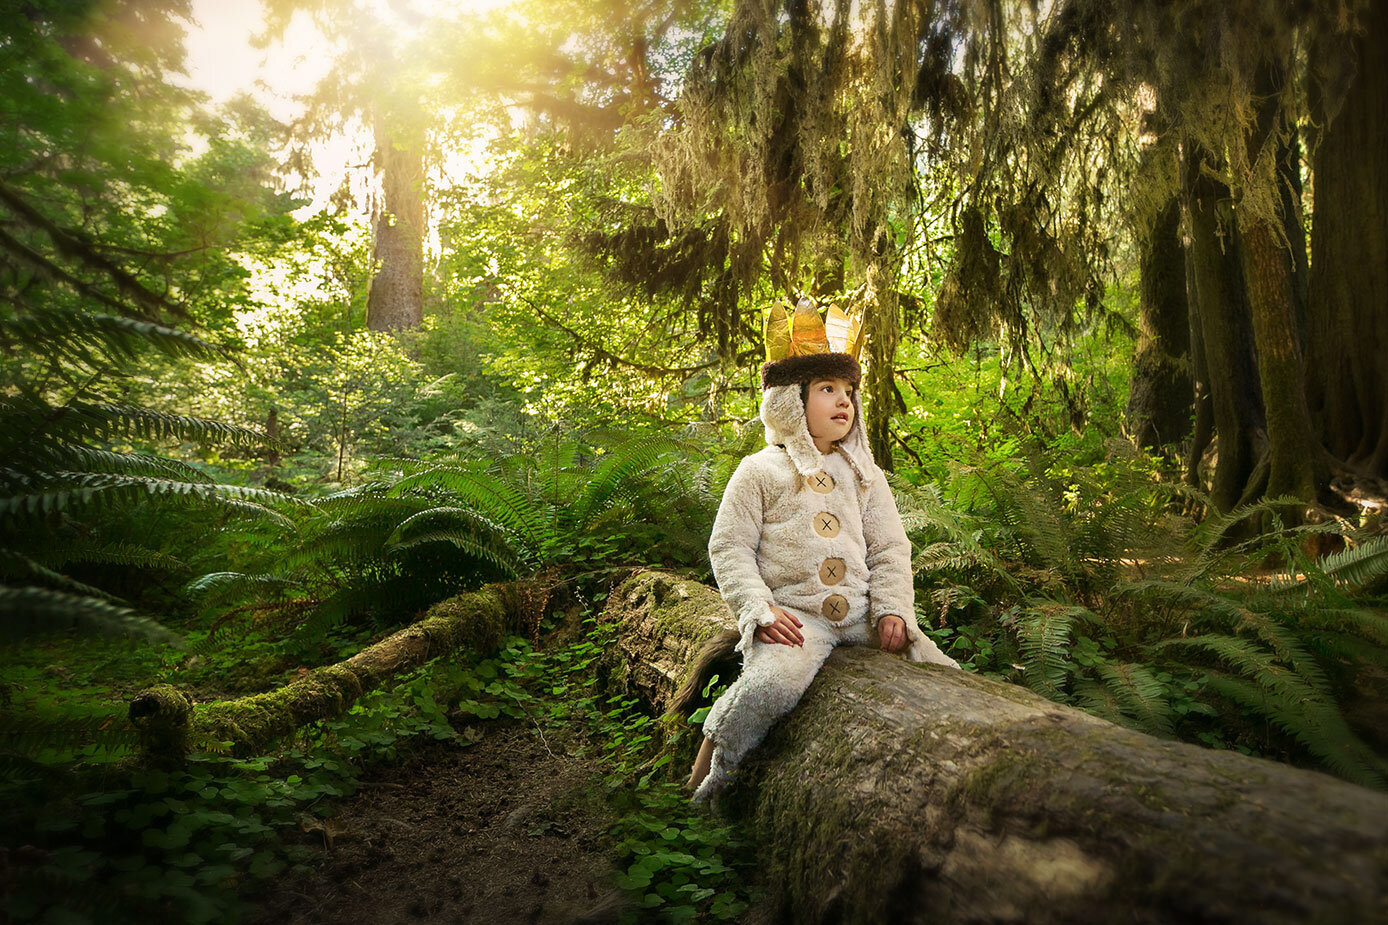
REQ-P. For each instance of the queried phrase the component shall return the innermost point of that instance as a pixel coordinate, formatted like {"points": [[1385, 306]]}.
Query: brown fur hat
{"points": [[809, 367]]}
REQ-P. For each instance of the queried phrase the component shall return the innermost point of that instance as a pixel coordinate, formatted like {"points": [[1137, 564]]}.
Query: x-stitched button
{"points": [[821, 482], [835, 607], [831, 571], [826, 525]]}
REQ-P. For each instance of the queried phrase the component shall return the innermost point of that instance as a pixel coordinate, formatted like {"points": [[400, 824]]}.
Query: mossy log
{"points": [[911, 793], [167, 720]]}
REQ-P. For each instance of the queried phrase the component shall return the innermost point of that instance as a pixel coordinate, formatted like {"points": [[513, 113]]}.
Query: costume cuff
{"points": [[752, 616], [923, 648]]}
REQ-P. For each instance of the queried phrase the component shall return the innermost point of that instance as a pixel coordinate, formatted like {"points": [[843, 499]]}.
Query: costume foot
{"points": [[713, 783]]}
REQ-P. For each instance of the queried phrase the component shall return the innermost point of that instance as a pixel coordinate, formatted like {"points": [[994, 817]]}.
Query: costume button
{"points": [[835, 607], [831, 571], [820, 481], [826, 525]]}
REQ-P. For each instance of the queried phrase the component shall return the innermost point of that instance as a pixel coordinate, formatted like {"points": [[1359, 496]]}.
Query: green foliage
{"points": [[422, 531], [1043, 572], [680, 864], [197, 839]]}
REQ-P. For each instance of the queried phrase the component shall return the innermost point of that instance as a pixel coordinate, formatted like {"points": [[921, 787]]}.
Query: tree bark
{"points": [[1348, 342], [883, 330], [1204, 410], [906, 793], [396, 297], [1294, 458], [1159, 404], [1220, 308]]}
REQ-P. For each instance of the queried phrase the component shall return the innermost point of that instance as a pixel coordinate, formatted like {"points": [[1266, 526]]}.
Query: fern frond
{"points": [[1043, 638], [73, 490], [127, 554], [17, 568], [28, 611], [617, 470], [97, 339], [219, 588], [1210, 609], [1141, 698], [467, 530], [107, 421], [29, 734], [89, 459], [1317, 725], [1252, 661], [1357, 567], [494, 498]]}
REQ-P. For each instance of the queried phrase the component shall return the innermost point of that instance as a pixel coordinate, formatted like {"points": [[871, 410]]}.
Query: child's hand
{"points": [[891, 629], [786, 629]]}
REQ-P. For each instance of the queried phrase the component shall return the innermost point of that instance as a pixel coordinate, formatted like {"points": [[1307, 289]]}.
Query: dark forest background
{"points": [[1124, 270]]}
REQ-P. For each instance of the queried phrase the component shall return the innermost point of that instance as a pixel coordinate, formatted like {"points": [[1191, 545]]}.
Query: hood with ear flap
{"points": [[783, 416]]}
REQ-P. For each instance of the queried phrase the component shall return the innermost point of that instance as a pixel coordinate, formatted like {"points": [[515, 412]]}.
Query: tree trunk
{"points": [[1293, 450], [1221, 310], [883, 330], [1159, 404], [396, 297], [167, 720], [1204, 412], [906, 793], [1348, 343]]}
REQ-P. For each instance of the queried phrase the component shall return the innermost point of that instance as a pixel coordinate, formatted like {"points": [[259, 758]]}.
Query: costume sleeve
{"points": [[732, 551], [891, 586]]}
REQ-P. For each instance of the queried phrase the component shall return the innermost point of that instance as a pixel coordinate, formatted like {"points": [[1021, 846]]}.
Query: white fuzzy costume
{"points": [[817, 535]]}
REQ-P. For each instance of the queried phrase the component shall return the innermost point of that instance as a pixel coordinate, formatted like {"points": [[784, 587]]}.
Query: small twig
{"points": [[541, 732]]}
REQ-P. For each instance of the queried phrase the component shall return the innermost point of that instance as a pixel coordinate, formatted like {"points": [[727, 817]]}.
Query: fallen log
{"points": [[913, 793], [167, 720]]}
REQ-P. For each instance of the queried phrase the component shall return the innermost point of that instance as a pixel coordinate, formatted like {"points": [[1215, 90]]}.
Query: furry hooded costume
{"points": [[817, 534]]}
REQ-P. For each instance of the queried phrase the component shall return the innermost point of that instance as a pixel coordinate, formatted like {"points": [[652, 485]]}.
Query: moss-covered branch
{"points": [[901, 792], [167, 720]]}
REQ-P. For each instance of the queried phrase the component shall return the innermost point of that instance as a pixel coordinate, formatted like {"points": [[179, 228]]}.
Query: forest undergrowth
{"points": [[115, 842]]}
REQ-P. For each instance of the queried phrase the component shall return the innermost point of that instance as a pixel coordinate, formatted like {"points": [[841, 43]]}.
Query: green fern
{"points": [[98, 340], [31, 611], [31, 734], [1128, 694], [1315, 723], [30, 421], [1043, 637], [465, 529], [1360, 566], [430, 529]]}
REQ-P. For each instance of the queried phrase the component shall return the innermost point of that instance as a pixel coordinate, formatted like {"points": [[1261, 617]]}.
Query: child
{"points": [[808, 552]]}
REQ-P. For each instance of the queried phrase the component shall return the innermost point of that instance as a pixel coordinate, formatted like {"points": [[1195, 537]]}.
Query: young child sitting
{"points": [[807, 549]]}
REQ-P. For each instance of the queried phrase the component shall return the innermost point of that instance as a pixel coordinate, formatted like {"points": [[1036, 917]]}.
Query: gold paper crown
{"points": [[801, 332]]}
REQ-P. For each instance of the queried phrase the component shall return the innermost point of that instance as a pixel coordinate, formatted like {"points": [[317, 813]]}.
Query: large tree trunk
{"points": [[1294, 457], [1221, 310], [906, 793], [396, 297], [1349, 247], [1160, 401]]}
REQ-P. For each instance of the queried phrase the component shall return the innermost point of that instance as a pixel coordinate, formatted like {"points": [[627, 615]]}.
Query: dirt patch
{"points": [[512, 828]]}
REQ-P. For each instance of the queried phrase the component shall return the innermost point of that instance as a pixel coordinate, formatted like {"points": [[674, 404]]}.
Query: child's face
{"points": [[829, 409]]}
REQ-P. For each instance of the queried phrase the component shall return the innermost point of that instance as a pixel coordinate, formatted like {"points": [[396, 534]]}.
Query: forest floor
{"points": [[512, 828]]}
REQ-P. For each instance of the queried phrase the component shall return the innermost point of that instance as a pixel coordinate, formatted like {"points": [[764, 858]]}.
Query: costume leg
{"points": [[774, 677]]}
